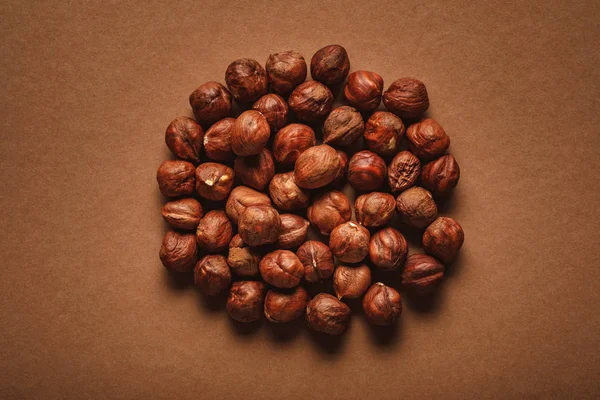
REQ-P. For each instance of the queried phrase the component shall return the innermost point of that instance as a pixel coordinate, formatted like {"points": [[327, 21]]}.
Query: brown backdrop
{"points": [[87, 310]]}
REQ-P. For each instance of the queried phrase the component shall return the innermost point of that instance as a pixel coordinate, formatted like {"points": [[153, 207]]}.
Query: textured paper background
{"points": [[87, 311]]}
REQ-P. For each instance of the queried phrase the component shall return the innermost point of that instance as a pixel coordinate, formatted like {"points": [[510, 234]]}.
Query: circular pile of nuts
{"points": [[263, 182]]}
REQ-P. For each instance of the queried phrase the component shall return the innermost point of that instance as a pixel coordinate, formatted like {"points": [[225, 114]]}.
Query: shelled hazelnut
{"points": [[363, 90], [317, 260], [416, 207], [184, 138], [328, 210], [291, 141], [183, 214], [422, 274], [210, 102], [214, 231], [311, 101], [407, 98], [259, 225], [441, 176], [316, 167], [178, 252], [375, 209], [286, 194], [403, 171], [250, 133], [241, 198], [285, 306], [245, 301], [382, 305], [343, 126], [443, 239], [246, 80], [212, 275], [388, 249], [427, 139], [366, 171], [292, 232], [349, 242], [351, 282], [285, 71], [383, 133], [214, 181], [281, 268], [255, 171], [242, 259], [330, 65], [325, 313], [340, 178], [176, 178], [217, 140], [274, 108]]}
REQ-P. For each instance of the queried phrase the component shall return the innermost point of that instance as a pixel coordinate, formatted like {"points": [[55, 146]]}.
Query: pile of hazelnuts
{"points": [[266, 181]]}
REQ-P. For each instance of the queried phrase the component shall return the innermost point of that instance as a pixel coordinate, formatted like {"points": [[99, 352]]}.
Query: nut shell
{"points": [[274, 108], [214, 181], [328, 210], [184, 138], [351, 282], [292, 232], [383, 133], [311, 101], [281, 268], [259, 225], [343, 126], [374, 209], [210, 102], [366, 171], [246, 80], [325, 313], [183, 214], [363, 90], [176, 178], [316, 167], [291, 141], [255, 171], [250, 133], [245, 301], [422, 274], [178, 252], [382, 305], [388, 249], [349, 242], [403, 171], [214, 232], [443, 239], [242, 259], [416, 207], [241, 198], [286, 194], [330, 65], [284, 306], [317, 260], [212, 275], [217, 140], [285, 71], [427, 139], [441, 176], [407, 98]]}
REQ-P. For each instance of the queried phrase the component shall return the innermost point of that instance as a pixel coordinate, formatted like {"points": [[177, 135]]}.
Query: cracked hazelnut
{"points": [[214, 231], [351, 282], [403, 171], [274, 108], [363, 90], [427, 139], [388, 249], [316, 167], [211, 102], [184, 138], [291, 141], [383, 133], [214, 181], [241, 198], [292, 232], [311, 101], [441, 176], [217, 140], [343, 126], [285, 71], [286, 194], [422, 274], [317, 260], [349, 242], [212, 275], [407, 98], [325, 313], [255, 171], [443, 239], [245, 301], [242, 259], [176, 178], [416, 207], [340, 179], [259, 225], [375, 209], [328, 210], [178, 252], [281, 268], [382, 305], [285, 306], [330, 65], [246, 80], [366, 171], [183, 214], [250, 133]]}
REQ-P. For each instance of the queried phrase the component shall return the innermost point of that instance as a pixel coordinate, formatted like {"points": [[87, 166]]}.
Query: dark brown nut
{"points": [[330, 65], [245, 301], [325, 313], [383, 133], [351, 282], [183, 214], [343, 126], [388, 249], [241, 198], [422, 274], [184, 138], [382, 305], [441, 176], [179, 252], [340, 179], [293, 231], [250, 133], [212, 275], [363, 90], [176, 178], [246, 80], [349, 242], [407, 98], [285, 306], [217, 140], [403, 171], [214, 232], [214, 181], [316, 167], [242, 259], [259, 225], [317, 260], [443, 239], [328, 210], [366, 171], [255, 171], [311, 101], [286, 194], [291, 141], [427, 139], [285, 71], [374, 210], [274, 108], [211, 102], [416, 207], [281, 268]]}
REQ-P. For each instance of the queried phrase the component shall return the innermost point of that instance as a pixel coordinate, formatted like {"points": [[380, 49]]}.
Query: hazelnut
{"points": [[178, 252], [349, 242], [427, 139], [281, 268], [443, 239], [293, 231], [212, 275], [214, 181], [184, 138], [363, 90], [259, 225], [422, 274], [343, 126], [325, 313], [274, 108], [242, 259], [316, 167], [217, 140], [245, 301], [255, 171], [176, 178], [246, 80], [330, 65], [285, 306], [286, 194], [214, 231], [407, 98], [351, 282], [441, 176], [291, 141], [416, 207], [285, 71], [311, 101], [403, 171], [375, 209], [317, 260], [383, 133], [382, 305], [366, 171], [328, 210], [340, 178], [211, 102], [388, 249], [241, 198], [183, 214], [250, 133]]}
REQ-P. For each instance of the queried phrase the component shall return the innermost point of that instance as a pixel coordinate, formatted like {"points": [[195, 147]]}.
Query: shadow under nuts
{"points": [[255, 171], [184, 138], [291, 141], [388, 249], [259, 225], [274, 108], [351, 282], [325, 313], [250, 133], [212, 275], [329, 210], [241, 198], [179, 251], [285, 306], [349, 242], [382, 305], [176, 178], [343, 126], [210, 102], [330, 65], [311, 101], [214, 181], [183, 214], [245, 301], [374, 209], [286, 194], [292, 232], [422, 274], [407, 98], [383, 133], [246, 80], [316, 167], [317, 260], [214, 231], [441, 176], [403, 171], [281, 268], [285, 71], [416, 207], [443, 239], [427, 139], [217, 140], [242, 259], [366, 171], [363, 90]]}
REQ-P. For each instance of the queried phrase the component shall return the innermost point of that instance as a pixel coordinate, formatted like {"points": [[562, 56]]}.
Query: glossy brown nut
{"points": [[259, 225], [383, 133], [291, 141], [382, 305], [293, 231], [184, 138], [250, 133], [351, 282], [176, 178], [343, 126], [441, 176], [349, 242], [316, 167], [325, 313], [286, 194], [340, 179], [366, 171], [183, 214], [217, 140], [427, 139], [178, 252], [422, 274], [242, 259], [403, 171], [246, 80], [407, 98], [245, 301], [212, 275], [328, 210], [211, 102], [255, 171], [317, 260], [281, 268], [214, 232], [285, 71], [416, 207], [388, 249], [285, 306], [330, 65], [443, 239], [214, 181], [363, 90], [374, 209], [241, 198], [274, 108], [311, 101]]}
